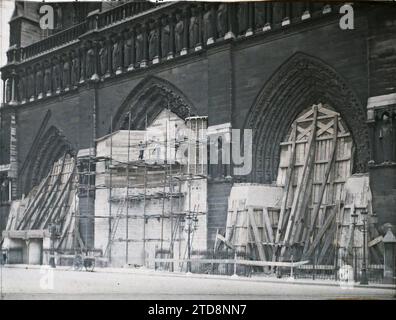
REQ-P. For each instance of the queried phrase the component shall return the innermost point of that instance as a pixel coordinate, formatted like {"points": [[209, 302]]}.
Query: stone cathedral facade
{"points": [[253, 65]]}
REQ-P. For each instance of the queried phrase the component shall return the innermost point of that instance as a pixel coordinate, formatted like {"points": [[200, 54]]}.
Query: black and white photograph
{"points": [[213, 151]]}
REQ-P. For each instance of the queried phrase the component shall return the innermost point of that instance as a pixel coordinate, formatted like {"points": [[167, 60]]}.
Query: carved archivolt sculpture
{"points": [[140, 100], [271, 112]]}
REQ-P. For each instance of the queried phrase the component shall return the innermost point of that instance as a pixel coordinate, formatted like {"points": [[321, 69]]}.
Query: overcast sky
{"points": [[6, 9]]}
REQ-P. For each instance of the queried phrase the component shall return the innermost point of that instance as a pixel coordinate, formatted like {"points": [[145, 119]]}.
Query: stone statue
{"points": [[90, 63], [259, 14], [39, 80], [179, 29], [75, 72], [194, 29], [153, 42], [386, 136], [66, 73], [221, 166], [8, 89], [59, 17], [165, 37], [127, 50], [82, 64], [21, 87], [56, 75], [208, 32], [103, 58], [116, 55], [4, 192], [222, 20], [139, 46], [47, 78], [242, 17], [31, 84]]}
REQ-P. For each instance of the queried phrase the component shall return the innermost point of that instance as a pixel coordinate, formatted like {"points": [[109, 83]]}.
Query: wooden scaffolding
{"points": [[53, 202], [314, 210], [143, 179]]}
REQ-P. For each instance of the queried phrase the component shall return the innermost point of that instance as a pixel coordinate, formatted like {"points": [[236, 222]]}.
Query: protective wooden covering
{"points": [[252, 218], [54, 200], [311, 217], [316, 160]]}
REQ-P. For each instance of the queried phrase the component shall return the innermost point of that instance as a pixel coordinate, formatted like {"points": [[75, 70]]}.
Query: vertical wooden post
{"points": [[144, 214], [268, 225], [127, 192], [287, 189], [110, 187], [256, 234], [301, 187], [307, 187], [322, 189], [163, 210]]}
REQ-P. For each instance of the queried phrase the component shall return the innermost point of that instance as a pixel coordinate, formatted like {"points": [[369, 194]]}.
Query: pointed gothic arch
{"points": [[51, 146], [148, 99], [298, 83]]}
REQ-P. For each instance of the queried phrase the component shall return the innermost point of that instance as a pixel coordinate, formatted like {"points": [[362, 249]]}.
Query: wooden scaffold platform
{"points": [[315, 197]]}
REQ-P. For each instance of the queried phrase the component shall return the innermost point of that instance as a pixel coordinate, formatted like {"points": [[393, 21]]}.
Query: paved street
{"points": [[19, 283]]}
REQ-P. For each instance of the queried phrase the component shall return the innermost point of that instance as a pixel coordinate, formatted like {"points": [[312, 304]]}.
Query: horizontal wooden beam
{"points": [[375, 241], [340, 136], [233, 261]]}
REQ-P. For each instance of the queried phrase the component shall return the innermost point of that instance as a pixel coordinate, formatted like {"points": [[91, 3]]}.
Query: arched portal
{"points": [[147, 100], [300, 82], [51, 147]]}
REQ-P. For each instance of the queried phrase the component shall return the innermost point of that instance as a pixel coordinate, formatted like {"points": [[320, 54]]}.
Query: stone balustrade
{"points": [[138, 35]]}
